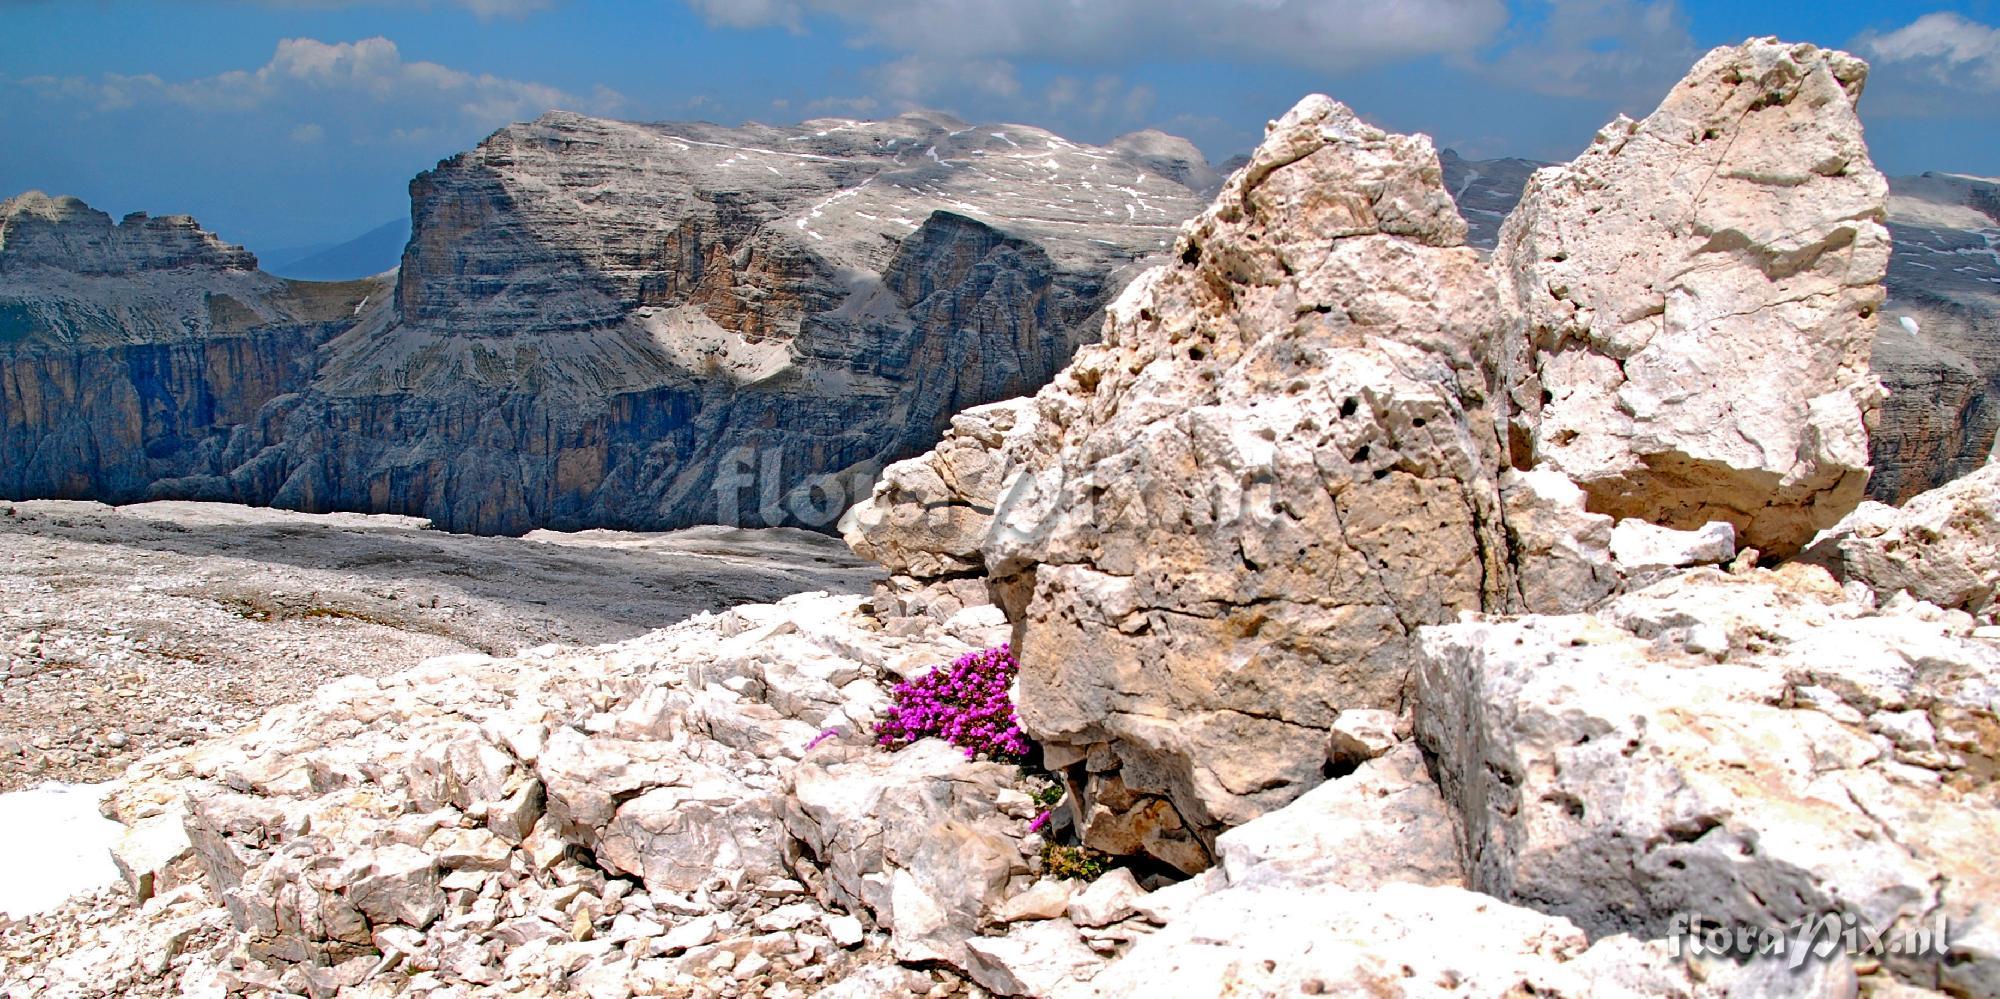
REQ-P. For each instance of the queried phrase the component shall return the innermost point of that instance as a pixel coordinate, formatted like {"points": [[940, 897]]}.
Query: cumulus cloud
{"points": [[1951, 50], [1107, 98], [483, 8], [1627, 51], [916, 79], [363, 81], [1328, 35]]}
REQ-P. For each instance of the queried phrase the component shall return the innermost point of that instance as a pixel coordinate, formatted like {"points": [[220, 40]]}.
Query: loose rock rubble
{"points": [[131, 629]]}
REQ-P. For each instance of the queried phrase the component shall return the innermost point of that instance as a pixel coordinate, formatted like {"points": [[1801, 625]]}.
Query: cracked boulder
{"points": [[918, 838], [1755, 749], [1696, 296], [1275, 467], [1942, 546]]}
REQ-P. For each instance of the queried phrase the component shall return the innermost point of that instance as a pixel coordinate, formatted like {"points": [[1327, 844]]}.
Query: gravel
{"points": [[133, 629]]}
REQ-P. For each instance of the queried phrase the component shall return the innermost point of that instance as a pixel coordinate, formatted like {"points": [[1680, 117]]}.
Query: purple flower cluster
{"points": [[964, 703]]}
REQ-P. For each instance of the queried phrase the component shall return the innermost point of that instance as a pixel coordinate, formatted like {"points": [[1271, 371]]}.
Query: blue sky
{"points": [[283, 123]]}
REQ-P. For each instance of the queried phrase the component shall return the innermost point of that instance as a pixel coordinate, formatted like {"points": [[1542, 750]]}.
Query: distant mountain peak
{"points": [[62, 232]]}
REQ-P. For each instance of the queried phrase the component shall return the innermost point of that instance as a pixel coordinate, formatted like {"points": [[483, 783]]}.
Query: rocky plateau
{"points": [[1392, 618]]}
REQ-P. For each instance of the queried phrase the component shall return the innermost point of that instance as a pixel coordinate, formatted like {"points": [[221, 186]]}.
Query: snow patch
{"points": [[53, 844]]}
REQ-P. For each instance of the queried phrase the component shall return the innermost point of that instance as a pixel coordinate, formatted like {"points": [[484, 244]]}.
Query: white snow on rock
{"points": [[53, 844]]}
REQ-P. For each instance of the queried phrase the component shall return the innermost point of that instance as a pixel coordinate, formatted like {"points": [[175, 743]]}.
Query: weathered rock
{"points": [[1383, 823], [149, 847], [395, 884], [1042, 959], [1606, 772], [1272, 469], [1106, 900], [929, 516], [1359, 735], [1417, 940], [1734, 237], [1942, 546], [1937, 349], [1637, 545], [914, 837], [1045, 899], [681, 839], [1563, 551]]}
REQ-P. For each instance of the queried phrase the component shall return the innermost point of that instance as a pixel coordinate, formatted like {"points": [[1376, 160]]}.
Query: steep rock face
{"points": [[608, 324], [1699, 292], [38, 230], [1939, 347], [603, 324], [135, 353]]}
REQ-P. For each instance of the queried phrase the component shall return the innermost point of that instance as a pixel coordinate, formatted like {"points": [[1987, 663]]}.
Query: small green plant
{"points": [[1047, 795], [1062, 861]]}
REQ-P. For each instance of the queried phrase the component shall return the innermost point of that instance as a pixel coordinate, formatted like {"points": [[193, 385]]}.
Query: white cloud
{"points": [[1627, 51], [1326, 35], [485, 9], [366, 82], [919, 79], [1951, 50], [826, 107], [308, 133], [1105, 98]]}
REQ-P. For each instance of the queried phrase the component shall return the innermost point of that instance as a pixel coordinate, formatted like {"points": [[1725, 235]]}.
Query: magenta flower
{"points": [[823, 736], [964, 703], [1041, 822]]}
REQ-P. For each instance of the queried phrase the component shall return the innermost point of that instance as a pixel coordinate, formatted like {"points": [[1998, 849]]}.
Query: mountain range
{"points": [[598, 323]]}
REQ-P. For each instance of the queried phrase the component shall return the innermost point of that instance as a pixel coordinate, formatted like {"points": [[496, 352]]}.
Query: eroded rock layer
{"points": [[603, 324], [143, 351]]}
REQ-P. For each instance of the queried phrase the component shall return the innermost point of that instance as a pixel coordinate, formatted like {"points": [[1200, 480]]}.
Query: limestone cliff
{"points": [[1939, 345], [135, 352], [600, 323]]}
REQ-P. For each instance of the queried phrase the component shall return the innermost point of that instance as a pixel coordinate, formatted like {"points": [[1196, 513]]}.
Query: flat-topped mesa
{"points": [[609, 324], [65, 233], [572, 222], [1698, 293]]}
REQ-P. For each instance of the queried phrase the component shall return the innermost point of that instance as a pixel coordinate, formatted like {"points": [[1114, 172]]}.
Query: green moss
{"points": [[1047, 794]]}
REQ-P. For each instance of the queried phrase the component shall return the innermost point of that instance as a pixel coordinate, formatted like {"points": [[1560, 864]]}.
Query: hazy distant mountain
{"points": [[370, 253]]}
